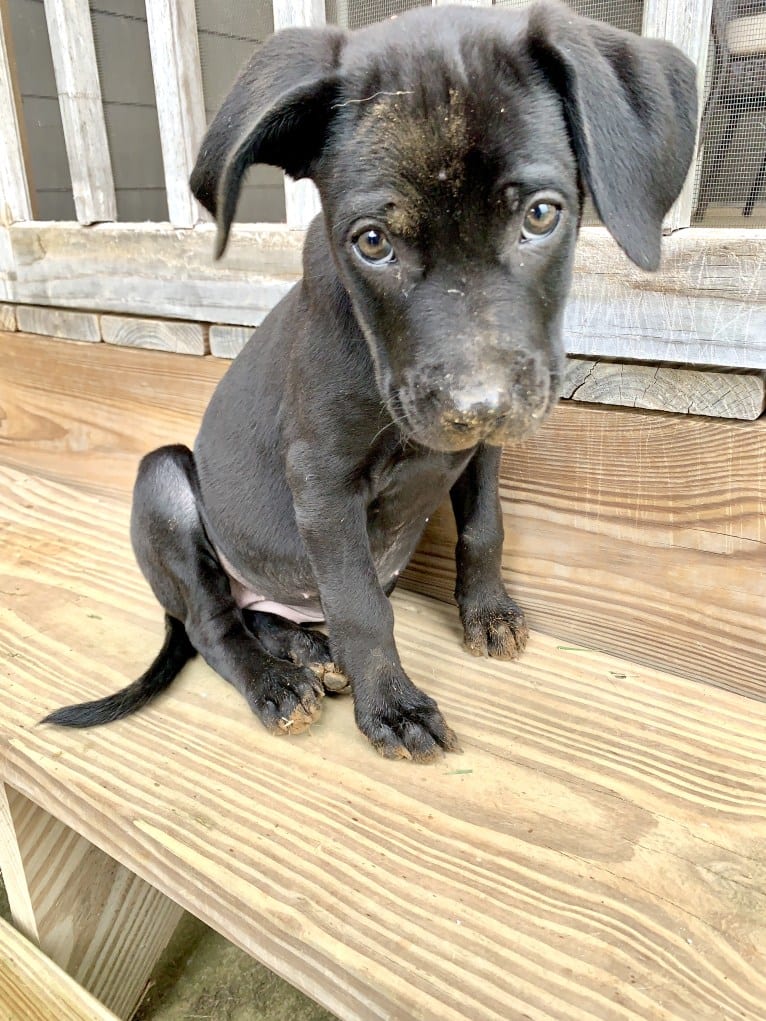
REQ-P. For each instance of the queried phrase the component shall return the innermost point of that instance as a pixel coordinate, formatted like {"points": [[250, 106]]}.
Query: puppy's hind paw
{"points": [[496, 629]]}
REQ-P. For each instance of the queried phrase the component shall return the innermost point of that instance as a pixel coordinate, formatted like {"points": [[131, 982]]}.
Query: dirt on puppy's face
{"points": [[453, 215]]}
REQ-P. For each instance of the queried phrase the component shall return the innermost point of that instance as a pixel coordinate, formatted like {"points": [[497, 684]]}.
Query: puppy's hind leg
{"points": [[184, 572], [297, 644]]}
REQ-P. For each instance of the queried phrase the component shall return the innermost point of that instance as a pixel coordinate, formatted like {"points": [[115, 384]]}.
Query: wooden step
{"points": [[596, 854], [33, 988]]}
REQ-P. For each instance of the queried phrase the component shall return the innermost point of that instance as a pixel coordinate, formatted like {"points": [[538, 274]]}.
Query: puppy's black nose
{"points": [[475, 410]]}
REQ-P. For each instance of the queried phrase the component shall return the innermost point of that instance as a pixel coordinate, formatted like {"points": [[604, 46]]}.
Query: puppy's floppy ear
{"points": [[631, 105], [277, 112]]}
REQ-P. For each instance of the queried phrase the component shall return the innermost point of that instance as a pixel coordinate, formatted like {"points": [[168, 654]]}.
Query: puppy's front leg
{"points": [[493, 623], [400, 720]]}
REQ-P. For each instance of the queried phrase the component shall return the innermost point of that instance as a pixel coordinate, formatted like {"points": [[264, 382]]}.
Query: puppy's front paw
{"points": [[403, 722], [286, 699], [495, 628]]}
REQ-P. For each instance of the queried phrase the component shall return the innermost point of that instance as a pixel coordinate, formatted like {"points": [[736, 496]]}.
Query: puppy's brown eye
{"points": [[373, 246], [540, 219]]}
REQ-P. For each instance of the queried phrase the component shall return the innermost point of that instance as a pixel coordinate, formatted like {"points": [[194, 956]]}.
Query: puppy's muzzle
{"points": [[453, 417]]}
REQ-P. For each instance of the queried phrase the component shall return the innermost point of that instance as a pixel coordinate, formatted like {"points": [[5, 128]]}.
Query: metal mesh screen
{"points": [[731, 168], [624, 14], [48, 167], [130, 110], [229, 31], [358, 13]]}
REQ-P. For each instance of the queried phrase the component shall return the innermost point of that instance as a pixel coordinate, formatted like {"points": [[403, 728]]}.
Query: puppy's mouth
{"points": [[442, 419]]}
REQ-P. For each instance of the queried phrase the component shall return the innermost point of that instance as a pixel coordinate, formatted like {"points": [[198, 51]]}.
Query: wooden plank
{"points": [[96, 920], [228, 341], [596, 852], [101, 405], [636, 533], [34, 989], [7, 317], [302, 201], [156, 272], [58, 322], [15, 198], [665, 388], [177, 74], [160, 334], [687, 25], [706, 306], [82, 112]]}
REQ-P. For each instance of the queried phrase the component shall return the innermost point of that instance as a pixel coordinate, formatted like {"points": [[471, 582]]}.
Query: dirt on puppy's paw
{"points": [[333, 681], [497, 630]]}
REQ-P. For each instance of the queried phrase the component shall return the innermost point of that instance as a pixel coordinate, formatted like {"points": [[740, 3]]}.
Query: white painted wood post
{"points": [[686, 23], [15, 200], [301, 197], [174, 45], [82, 111]]}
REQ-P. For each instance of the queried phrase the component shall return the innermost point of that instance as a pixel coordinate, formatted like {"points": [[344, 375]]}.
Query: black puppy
{"points": [[451, 148]]}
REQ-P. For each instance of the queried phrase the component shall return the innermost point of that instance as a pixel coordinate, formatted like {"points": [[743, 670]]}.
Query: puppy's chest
{"points": [[404, 494]]}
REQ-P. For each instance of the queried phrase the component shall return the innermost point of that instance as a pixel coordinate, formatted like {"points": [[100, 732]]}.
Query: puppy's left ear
{"points": [[631, 105], [277, 112]]}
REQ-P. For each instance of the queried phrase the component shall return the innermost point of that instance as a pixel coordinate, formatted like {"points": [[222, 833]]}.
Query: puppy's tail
{"points": [[176, 651]]}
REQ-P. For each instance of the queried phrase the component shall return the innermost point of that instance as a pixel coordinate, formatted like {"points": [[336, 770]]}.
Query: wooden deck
{"points": [[598, 853]]}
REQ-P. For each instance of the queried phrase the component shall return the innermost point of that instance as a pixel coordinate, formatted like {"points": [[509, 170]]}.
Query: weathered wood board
{"points": [[7, 317], [596, 852], [57, 322], [667, 388], [228, 341], [706, 306], [32, 988], [158, 334], [66, 894]]}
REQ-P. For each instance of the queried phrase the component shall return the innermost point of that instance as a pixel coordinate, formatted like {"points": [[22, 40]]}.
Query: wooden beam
{"points": [[686, 23], [302, 201], [160, 334], [82, 111], [15, 197], [103, 925], [228, 341], [58, 322], [705, 306], [666, 388], [174, 47], [33, 988], [635, 533]]}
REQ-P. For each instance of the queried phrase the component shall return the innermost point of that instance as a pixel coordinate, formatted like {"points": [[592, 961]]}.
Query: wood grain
{"points": [[32, 988], [638, 533], [666, 388], [706, 306], [158, 334], [90, 412], [90, 915], [7, 317], [174, 45], [57, 322], [82, 112], [228, 341], [596, 852]]}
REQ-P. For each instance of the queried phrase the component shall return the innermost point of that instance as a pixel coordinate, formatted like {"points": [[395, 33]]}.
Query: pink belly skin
{"points": [[246, 599]]}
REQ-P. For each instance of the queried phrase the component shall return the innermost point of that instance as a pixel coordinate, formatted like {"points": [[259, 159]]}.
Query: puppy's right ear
{"points": [[277, 112]]}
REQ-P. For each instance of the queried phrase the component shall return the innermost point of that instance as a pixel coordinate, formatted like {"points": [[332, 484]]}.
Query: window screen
{"points": [[48, 167], [358, 13], [130, 110], [731, 167], [229, 31]]}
